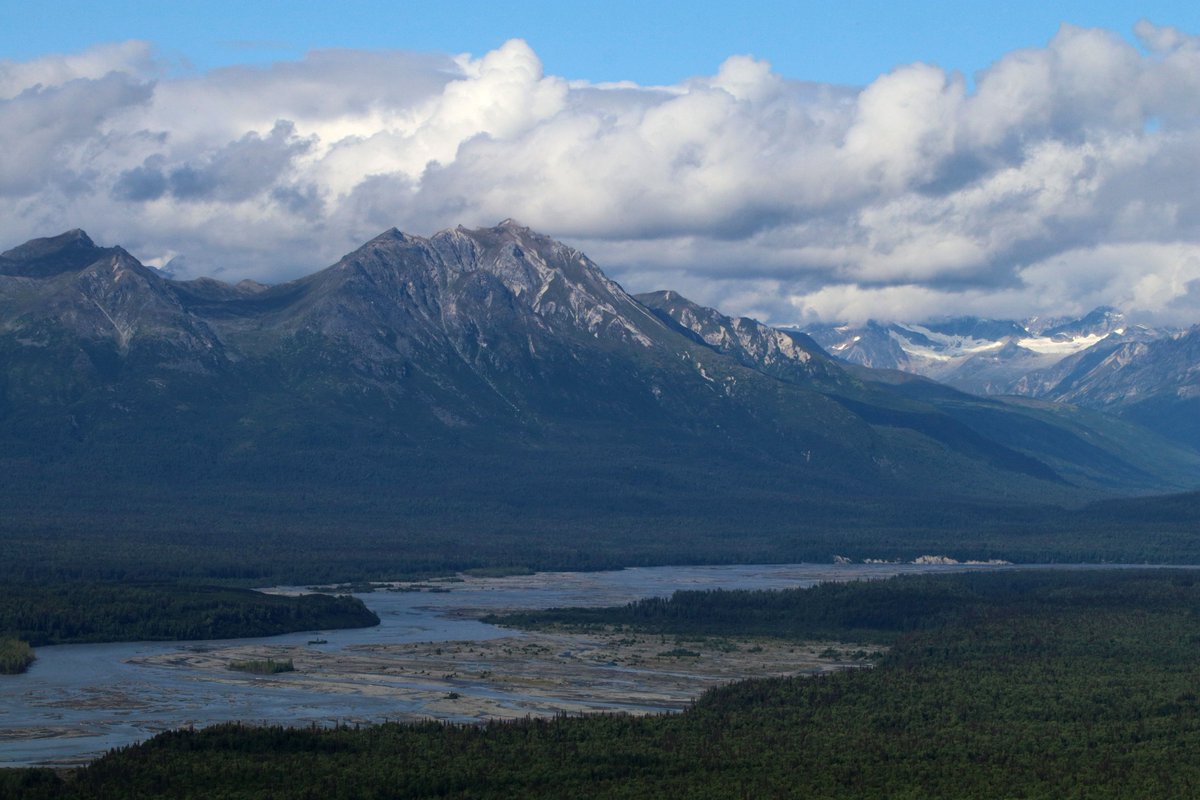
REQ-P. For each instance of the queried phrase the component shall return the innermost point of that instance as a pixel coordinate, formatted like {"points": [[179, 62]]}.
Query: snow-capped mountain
{"points": [[1153, 381], [982, 356]]}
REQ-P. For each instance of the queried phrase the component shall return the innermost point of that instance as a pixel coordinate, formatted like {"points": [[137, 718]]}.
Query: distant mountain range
{"points": [[1099, 361], [499, 369], [982, 356]]}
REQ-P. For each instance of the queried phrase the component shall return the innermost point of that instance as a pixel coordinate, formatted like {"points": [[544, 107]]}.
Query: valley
{"points": [[80, 700], [489, 400], [533, 400], [996, 682]]}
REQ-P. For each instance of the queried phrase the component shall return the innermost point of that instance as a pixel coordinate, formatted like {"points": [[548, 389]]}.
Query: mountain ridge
{"points": [[974, 354], [473, 348]]}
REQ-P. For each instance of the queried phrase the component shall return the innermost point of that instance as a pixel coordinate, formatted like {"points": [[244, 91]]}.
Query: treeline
{"points": [[359, 511], [106, 612], [1046, 685], [874, 610], [254, 537]]}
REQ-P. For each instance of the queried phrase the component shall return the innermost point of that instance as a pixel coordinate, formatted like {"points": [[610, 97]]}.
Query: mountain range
{"points": [[1099, 361], [978, 355], [494, 374]]}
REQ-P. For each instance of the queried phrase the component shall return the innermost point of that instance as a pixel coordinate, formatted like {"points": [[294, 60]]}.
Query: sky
{"points": [[795, 162]]}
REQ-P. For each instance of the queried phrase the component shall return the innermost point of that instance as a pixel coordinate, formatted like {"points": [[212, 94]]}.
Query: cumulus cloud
{"points": [[129, 57], [1064, 179], [234, 172]]}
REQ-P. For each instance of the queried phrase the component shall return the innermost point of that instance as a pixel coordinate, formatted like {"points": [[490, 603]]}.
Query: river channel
{"points": [[78, 701]]}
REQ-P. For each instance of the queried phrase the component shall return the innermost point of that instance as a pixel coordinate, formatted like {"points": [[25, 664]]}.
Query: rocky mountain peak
{"points": [[74, 239], [385, 241], [43, 258], [776, 352], [1097, 322], [392, 234]]}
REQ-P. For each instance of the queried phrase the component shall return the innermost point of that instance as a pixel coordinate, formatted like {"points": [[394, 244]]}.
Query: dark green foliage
{"points": [[1047, 685], [875, 611], [866, 611], [15, 656], [267, 666], [20, 783], [679, 652], [256, 535], [107, 612]]}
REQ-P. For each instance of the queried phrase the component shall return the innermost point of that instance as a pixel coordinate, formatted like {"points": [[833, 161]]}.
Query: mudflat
{"points": [[527, 673]]}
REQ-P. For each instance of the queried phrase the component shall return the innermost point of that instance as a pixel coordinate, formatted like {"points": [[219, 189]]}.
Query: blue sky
{"points": [[647, 42], [787, 161]]}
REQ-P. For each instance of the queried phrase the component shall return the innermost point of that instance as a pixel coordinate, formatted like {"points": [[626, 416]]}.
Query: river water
{"points": [[78, 701]]}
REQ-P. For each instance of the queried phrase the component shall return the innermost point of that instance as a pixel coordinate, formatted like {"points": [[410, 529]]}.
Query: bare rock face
{"points": [[771, 350]]}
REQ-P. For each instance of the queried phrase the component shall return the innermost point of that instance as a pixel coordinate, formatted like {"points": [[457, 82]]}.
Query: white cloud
{"points": [[132, 57], [1066, 178], [1145, 279]]}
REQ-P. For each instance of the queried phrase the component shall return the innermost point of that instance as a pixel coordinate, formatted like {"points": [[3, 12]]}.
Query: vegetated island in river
{"points": [[1005, 684], [15, 656], [75, 613], [261, 666]]}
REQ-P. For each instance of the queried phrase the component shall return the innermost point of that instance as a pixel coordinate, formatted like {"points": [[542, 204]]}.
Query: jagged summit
{"points": [[1100, 321], [785, 354], [391, 234], [512, 270]]}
